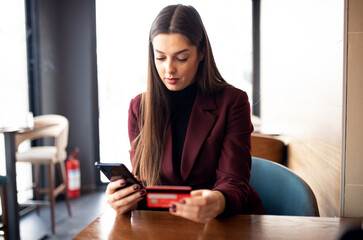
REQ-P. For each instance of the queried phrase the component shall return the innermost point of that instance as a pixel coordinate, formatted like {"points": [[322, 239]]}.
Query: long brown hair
{"points": [[154, 110]]}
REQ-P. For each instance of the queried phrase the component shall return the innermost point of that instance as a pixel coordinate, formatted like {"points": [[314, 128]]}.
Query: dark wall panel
{"points": [[67, 50]]}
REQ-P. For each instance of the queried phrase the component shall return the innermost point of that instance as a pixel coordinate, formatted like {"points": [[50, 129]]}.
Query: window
{"points": [[13, 81], [122, 41]]}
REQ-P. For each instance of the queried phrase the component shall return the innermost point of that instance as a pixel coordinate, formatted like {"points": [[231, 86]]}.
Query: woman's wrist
{"points": [[221, 202]]}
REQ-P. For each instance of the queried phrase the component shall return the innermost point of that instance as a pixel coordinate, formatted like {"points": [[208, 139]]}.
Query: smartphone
{"points": [[115, 171]]}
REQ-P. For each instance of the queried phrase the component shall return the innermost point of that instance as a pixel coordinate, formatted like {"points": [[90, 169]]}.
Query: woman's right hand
{"points": [[124, 199]]}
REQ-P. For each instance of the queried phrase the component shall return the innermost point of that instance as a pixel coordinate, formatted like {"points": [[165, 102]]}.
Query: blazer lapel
{"points": [[202, 120]]}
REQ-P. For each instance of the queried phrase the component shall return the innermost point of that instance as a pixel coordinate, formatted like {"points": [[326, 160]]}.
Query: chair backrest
{"points": [[282, 192], [50, 125]]}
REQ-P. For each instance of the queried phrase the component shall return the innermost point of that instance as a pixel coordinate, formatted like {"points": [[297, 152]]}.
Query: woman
{"points": [[190, 128]]}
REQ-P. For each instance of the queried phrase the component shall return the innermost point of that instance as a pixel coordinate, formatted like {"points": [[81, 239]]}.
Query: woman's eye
{"points": [[182, 59], [160, 58]]}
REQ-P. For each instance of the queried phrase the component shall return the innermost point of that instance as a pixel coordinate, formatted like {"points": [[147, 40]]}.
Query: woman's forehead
{"points": [[171, 43]]}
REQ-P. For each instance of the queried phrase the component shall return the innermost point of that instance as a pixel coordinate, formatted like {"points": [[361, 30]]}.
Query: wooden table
{"points": [[12, 193], [12, 199], [162, 225]]}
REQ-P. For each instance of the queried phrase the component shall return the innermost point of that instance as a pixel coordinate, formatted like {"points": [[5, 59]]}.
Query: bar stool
{"points": [[54, 126], [4, 217]]}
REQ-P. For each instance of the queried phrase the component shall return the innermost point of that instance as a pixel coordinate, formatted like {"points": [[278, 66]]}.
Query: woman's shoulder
{"points": [[135, 103], [232, 93], [137, 98]]}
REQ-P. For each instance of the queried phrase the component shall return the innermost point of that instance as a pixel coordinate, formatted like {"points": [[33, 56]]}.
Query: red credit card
{"points": [[163, 196]]}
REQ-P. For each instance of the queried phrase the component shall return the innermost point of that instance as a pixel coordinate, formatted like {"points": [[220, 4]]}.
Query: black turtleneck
{"points": [[181, 103]]}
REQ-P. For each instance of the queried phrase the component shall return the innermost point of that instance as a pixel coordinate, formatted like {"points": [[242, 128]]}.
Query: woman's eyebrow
{"points": [[181, 51]]}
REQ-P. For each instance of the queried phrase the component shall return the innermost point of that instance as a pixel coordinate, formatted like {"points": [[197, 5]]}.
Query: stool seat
{"points": [[42, 154]]}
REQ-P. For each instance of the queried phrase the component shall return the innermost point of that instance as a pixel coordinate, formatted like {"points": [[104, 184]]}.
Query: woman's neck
{"points": [[185, 95]]}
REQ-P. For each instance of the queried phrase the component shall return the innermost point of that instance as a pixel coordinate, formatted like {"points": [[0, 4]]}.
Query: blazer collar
{"points": [[202, 120]]}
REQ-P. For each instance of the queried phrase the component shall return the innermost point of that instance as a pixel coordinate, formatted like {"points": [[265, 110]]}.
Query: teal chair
{"points": [[4, 217], [282, 192]]}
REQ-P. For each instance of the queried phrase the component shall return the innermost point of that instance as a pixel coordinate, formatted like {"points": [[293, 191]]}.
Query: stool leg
{"points": [[36, 184], [51, 181], [64, 178]]}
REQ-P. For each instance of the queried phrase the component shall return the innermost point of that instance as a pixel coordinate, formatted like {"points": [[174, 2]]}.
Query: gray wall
{"points": [[68, 74]]}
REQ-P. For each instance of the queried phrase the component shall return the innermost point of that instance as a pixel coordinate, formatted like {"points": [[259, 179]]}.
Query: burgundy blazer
{"points": [[216, 153]]}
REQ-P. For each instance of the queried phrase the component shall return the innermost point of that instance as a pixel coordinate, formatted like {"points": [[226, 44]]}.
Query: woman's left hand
{"points": [[202, 206]]}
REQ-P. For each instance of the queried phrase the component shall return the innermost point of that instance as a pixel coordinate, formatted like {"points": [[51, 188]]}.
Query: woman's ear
{"points": [[201, 55]]}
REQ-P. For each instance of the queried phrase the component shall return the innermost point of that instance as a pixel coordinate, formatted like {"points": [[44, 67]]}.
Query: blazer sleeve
{"points": [[234, 164]]}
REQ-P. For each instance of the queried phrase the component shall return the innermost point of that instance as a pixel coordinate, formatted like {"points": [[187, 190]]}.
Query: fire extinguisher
{"points": [[73, 174]]}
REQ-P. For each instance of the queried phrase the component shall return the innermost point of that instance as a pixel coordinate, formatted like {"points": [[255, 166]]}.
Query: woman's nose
{"points": [[170, 68]]}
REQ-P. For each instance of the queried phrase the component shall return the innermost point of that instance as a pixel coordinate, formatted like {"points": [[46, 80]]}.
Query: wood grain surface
{"points": [[162, 225]]}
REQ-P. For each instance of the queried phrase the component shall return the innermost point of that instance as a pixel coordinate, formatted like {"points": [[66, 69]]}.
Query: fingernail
{"points": [[136, 187], [182, 201], [173, 207], [142, 192], [123, 182]]}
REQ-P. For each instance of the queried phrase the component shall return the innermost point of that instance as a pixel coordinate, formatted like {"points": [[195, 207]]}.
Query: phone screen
{"points": [[115, 171]]}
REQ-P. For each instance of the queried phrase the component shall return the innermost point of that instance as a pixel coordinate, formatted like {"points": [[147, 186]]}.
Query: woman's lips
{"points": [[172, 81]]}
